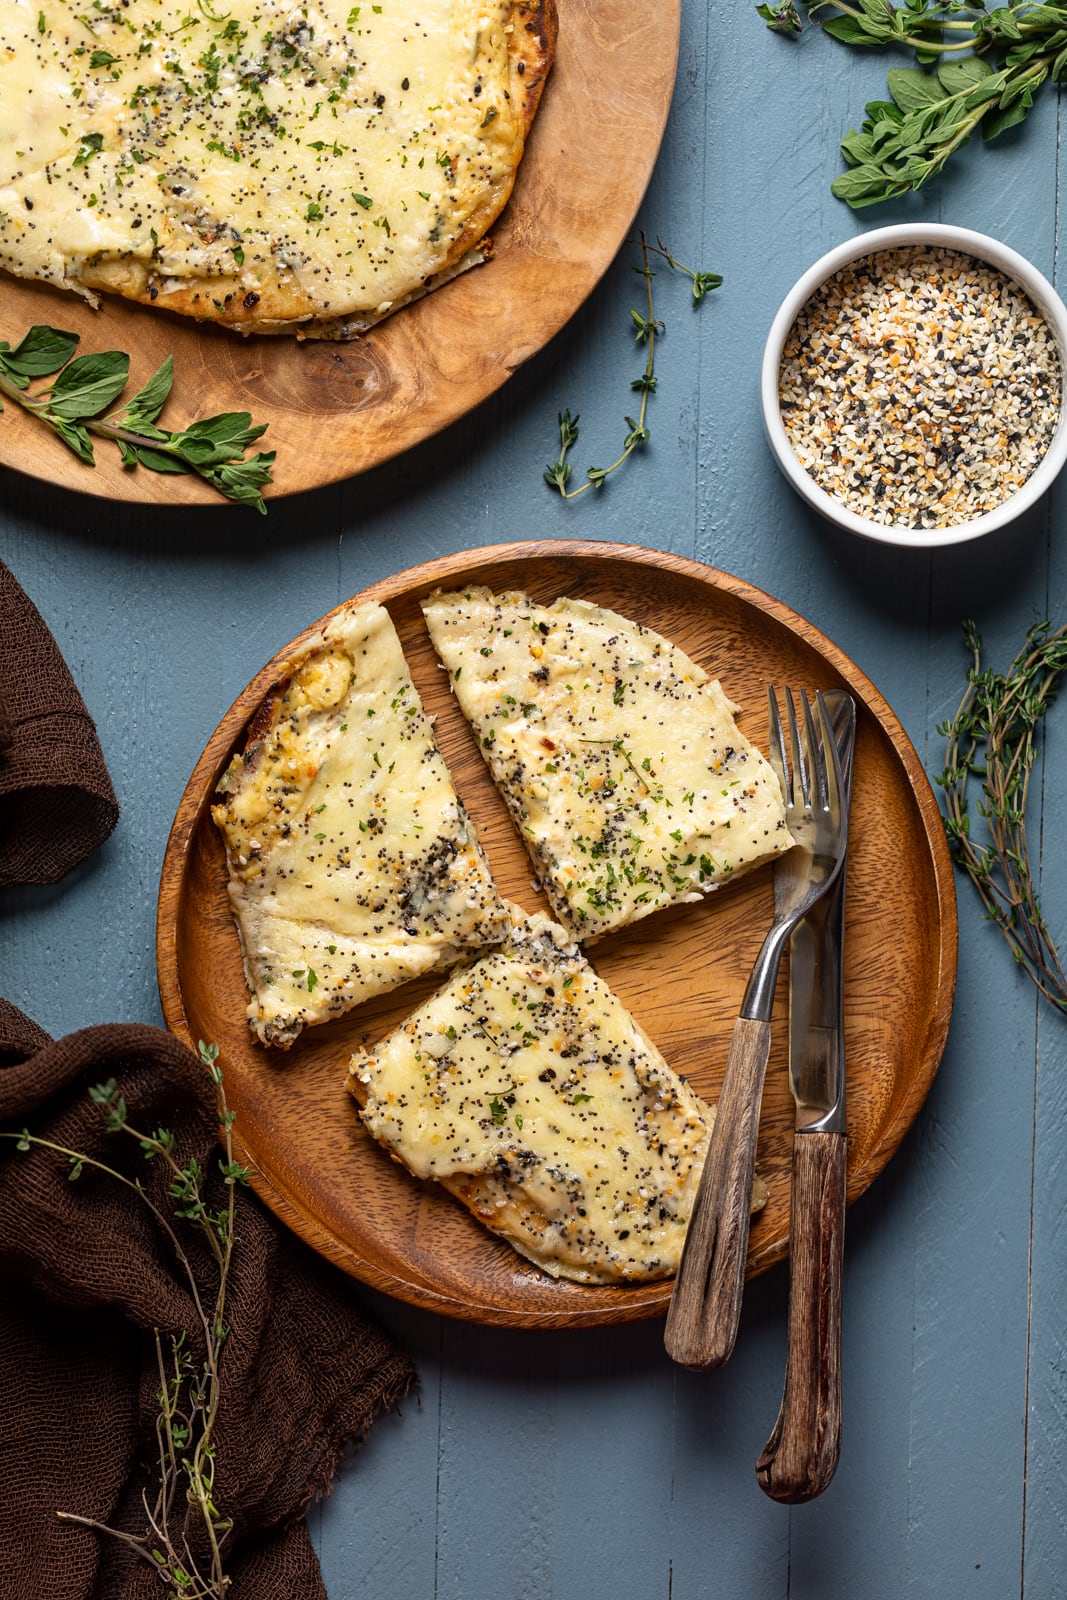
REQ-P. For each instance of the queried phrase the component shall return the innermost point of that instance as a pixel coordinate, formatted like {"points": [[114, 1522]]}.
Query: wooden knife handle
{"points": [[706, 1304], [800, 1457]]}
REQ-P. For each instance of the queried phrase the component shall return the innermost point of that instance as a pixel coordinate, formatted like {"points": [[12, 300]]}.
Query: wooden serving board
{"points": [[334, 410], [682, 972]]}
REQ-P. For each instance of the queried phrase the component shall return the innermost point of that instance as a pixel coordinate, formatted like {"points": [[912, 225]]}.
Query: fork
{"points": [[706, 1303]]}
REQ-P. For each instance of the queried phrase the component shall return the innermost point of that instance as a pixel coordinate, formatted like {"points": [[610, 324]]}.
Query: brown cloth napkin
{"points": [[85, 1277], [56, 799]]}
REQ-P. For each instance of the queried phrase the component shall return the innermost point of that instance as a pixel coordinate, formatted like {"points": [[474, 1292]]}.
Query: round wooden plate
{"points": [[334, 410], [682, 972]]}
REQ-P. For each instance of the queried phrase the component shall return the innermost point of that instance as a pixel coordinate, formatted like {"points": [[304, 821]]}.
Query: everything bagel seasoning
{"points": [[920, 387]]}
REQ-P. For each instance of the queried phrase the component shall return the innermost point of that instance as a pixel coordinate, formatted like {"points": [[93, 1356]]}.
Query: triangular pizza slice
{"points": [[526, 1089], [352, 863], [619, 758]]}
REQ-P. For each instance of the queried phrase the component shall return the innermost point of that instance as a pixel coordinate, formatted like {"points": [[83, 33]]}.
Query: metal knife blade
{"points": [[800, 1458], [816, 1035]]}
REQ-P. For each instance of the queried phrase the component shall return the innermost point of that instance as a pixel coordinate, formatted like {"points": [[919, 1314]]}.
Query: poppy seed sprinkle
{"points": [[920, 387]]}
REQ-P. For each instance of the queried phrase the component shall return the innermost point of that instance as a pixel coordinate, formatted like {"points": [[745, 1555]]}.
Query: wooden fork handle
{"points": [[800, 1457], [706, 1304]]}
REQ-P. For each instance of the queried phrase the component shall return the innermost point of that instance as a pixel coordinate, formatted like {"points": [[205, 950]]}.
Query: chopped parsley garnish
{"points": [[91, 145]]}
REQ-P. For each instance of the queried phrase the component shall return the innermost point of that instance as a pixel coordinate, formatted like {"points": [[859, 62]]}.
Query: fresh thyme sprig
{"points": [[988, 65], [83, 387], [701, 283], [183, 1512], [646, 327], [991, 742]]}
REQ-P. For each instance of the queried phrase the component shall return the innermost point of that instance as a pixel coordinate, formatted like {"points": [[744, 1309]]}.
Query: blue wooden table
{"points": [[583, 1466]]}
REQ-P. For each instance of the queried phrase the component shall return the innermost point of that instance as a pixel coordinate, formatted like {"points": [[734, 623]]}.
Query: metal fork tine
{"points": [[776, 744], [828, 759], [800, 785], [814, 765]]}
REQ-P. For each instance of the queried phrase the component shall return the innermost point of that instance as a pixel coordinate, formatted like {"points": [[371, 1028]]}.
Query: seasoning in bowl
{"points": [[920, 387]]}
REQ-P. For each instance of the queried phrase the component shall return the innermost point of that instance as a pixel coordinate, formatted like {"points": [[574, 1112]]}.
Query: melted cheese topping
{"points": [[353, 865], [323, 158], [619, 759], [527, 1089]]}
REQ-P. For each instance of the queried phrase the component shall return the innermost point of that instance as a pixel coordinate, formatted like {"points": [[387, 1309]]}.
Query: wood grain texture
{"points": [[800, 1458], [705, 1308], [333, 410], [683, 980]]}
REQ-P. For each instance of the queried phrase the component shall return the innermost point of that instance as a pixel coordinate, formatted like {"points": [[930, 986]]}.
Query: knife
{"points": [[800, 1458]]}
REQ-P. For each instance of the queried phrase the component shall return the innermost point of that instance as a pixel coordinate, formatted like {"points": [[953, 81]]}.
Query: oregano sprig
{"points": [[991, 745], [75, 406], [987, 66], [182, 1511], [646, 327]]}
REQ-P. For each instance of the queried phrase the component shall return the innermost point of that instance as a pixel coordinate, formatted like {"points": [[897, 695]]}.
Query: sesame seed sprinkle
{"points": [[920, 387]]}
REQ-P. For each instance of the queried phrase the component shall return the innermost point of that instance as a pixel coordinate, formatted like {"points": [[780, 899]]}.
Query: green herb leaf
{"points": [[1000, 121], [956, 76], [703, 283], [216, 440], [912, 88], [781, 18], [154, 460], [88, 384], [243, 481], [74, 435], [854, 30], [861, 187], [90, 144], [39, 353], [498, 1111], [148, 402]]}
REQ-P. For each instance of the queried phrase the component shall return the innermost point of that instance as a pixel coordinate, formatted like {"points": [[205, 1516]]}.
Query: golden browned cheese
{"points": [[302, 166], [352, 863], [527, 1090]]}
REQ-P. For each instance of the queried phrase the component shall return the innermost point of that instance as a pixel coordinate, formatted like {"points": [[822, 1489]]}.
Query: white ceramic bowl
{"points": [[906, 235]]}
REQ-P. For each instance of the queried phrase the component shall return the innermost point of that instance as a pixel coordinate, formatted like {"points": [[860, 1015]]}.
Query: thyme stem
{"points": [[646, 327], [991, 741], [189, 1399]]}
